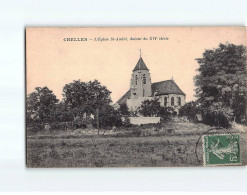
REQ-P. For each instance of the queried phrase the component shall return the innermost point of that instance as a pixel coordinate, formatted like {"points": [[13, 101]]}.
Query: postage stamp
{"points": [[221, 149]]}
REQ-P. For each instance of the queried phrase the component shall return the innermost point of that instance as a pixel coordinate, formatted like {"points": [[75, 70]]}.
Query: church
{"points": [[141, 88]]}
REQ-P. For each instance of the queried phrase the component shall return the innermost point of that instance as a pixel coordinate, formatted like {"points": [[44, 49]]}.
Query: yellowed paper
{"points": [[135, 64]]}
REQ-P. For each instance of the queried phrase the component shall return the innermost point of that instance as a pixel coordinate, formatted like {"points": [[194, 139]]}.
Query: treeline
{"points": [[80, 99], [220, 87], [88, 101]]}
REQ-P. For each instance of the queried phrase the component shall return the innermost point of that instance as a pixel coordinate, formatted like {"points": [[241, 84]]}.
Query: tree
{"points": [[41, 106], [190, 110], [153, 108], [217, 115], [109, 117], [149, 108], [222, 78], [62, 113], [82, 97], [123, 109]]}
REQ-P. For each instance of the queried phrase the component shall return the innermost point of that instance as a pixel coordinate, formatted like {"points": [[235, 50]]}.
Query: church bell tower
{"points": [[140, 84]]}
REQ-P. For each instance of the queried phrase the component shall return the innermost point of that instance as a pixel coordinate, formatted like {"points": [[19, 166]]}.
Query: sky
{"points": [[53, 61]]}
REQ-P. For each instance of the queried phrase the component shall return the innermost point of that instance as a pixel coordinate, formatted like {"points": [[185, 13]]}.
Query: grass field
{"points": [[156, 148]]}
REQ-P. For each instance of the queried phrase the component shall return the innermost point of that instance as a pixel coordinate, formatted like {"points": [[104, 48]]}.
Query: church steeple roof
{"points": [[140, 65]]}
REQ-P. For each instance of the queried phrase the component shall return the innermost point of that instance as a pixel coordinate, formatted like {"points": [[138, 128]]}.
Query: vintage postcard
{"points": [[136, 97]]}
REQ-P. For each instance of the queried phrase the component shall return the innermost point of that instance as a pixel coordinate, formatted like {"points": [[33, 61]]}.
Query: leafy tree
{"points": [[149, 108], [153, 108], [123, 109], [63, 113], [109, 117], [41, 106], [217, 115], [222, 78], [190, 110], [166, 112], [82, 97]]}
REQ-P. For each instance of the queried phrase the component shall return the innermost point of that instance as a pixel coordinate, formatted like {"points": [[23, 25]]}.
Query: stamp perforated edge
{"points": [[217, 165]]}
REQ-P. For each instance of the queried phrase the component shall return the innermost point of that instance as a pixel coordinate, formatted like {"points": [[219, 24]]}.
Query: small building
{"points": [[141, 88]]}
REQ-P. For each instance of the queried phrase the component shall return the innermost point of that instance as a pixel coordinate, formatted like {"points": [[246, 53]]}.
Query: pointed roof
{"points": [[140, 65], [166, 87]]}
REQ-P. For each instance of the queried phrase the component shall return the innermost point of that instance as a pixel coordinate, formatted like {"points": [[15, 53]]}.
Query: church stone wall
{"points": [[133, 104], [169, 100], [144, 120]]}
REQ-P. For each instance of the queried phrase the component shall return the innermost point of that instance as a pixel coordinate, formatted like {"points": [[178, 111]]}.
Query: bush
{"points": [[35, 127], [153, 108], [190, 110], [109, 117], [126, 122], [214, 115], [123, 109], [56, 125], [166, 113], [149, 108], [133, 113], [217, 115]]}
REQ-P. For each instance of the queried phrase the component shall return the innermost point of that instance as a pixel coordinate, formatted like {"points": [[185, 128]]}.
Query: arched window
{"points": [[179, 101], [165, 101], [172, 101], [144, 79], [136, 79]]}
